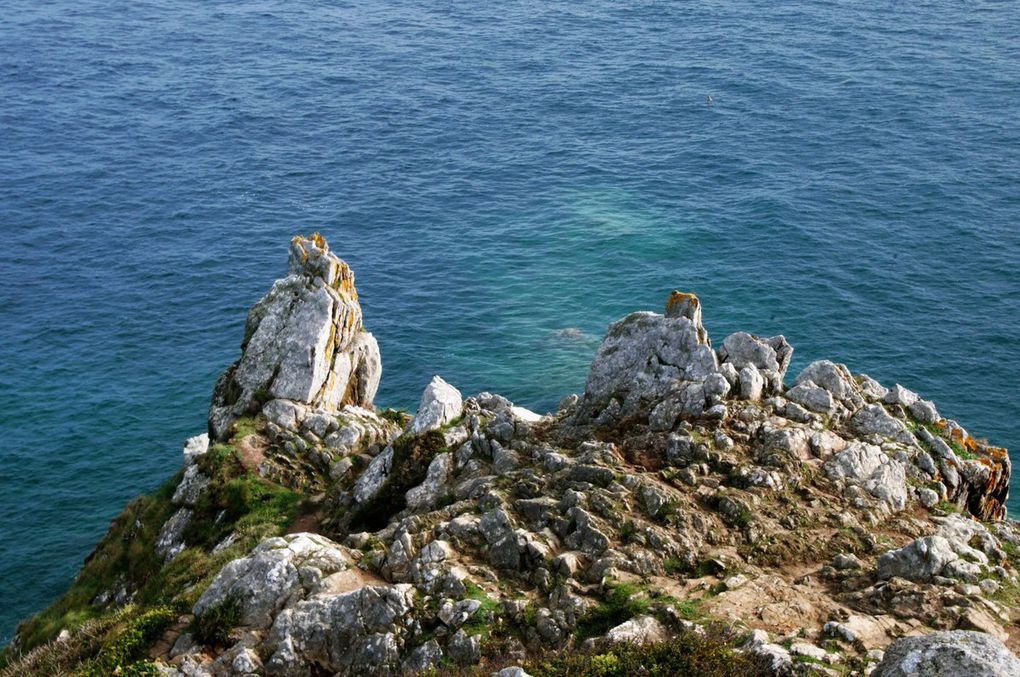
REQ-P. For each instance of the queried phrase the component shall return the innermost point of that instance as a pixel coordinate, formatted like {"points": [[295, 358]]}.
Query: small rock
{"points": [[440, 404], [639, 630]]}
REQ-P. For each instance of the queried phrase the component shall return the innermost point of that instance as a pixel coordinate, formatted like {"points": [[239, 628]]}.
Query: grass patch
{"points": [[401, 418], [481, 621], [125, 555], [213, 627], [126, 644], [688, 655], [411, 457], [619, 603]]}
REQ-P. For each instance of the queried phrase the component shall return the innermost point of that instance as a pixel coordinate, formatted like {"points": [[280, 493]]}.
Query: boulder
{"points": [[440, 404], [195, 447], [948, 654], [875, 420], [639, 630], [303, 341], [812, 397], [873, 470], [426, 495], [644, 358], [277, 572], [919, 561], [770, 356], [834, 378], [352, 633]]}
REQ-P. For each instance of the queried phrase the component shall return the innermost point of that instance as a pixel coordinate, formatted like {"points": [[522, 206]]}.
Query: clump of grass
{"points": [[482, 620], [946, 506], [125, 646], [397, 416], [411, 457], [688, 655], [620, 602], [213, 627]]}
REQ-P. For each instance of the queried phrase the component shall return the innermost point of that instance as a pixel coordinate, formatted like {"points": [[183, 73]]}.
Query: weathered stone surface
{"points": [[836, 379], [752, 383], [948, 654], [190, 488], [770, 356], [440, 404], [812, 397], [304, 341], [875, 420], [872, 469], [351, 633], [641, 360], [919, 560], [639, 630], [170, 541], [277, 572], [428, 493], [374, 477]]}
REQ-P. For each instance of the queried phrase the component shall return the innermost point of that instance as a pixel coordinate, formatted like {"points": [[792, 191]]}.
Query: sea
{"points": [[506, 179]]}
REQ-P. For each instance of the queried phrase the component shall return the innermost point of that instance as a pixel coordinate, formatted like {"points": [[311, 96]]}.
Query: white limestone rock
{"points": [[644, 358], [303, 342], [374, 477], [920, 560], [440, 404], [351, 633], [274, 574], [639, 630], [426, 495], [873, 470], [194, 447]]}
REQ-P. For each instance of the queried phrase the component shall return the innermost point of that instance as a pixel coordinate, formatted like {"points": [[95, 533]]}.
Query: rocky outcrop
{"points": [[686, 489], [303, 342], [948, 654], [649, 361]]}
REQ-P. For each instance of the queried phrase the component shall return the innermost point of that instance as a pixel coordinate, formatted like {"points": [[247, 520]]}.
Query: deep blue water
{"points": [[494, 173]]}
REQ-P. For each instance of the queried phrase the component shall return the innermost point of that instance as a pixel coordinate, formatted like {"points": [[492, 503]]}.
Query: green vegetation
{"points": [[688, 655], [946, 506], [411, 457], [620, 603], [961, 452], [482, 620], [397, 416], [236, 502], [213, 627], [126, 645]]}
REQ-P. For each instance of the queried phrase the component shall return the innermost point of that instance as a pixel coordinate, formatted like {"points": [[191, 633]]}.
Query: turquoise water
{"points": [[495, 175]]}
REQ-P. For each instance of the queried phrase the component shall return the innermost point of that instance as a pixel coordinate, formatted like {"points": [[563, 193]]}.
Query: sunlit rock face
{"points": [[303, 342]]}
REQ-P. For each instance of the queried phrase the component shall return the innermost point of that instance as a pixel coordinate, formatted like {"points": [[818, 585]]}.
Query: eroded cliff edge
{"points": [[689, 502]]}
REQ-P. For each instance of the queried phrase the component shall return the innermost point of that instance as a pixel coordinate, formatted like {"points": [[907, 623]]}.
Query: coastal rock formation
{"points": [[303, 342], [686, 490]]}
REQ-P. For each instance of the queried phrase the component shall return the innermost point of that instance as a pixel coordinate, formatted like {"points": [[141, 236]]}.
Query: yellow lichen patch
{"points": [[678, 297], [318, 239]]}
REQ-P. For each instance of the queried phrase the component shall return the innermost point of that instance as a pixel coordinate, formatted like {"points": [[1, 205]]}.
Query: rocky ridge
{"points": [[687, 499]]}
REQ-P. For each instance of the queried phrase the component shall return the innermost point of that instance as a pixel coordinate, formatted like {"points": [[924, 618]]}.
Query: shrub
{"points": [[411, 457], [213, 627], [688, 655], [127, 644], [620, 603]]}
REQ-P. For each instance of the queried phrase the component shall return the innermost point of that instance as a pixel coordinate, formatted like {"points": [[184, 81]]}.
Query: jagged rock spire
{"points": [[303, 342]]}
